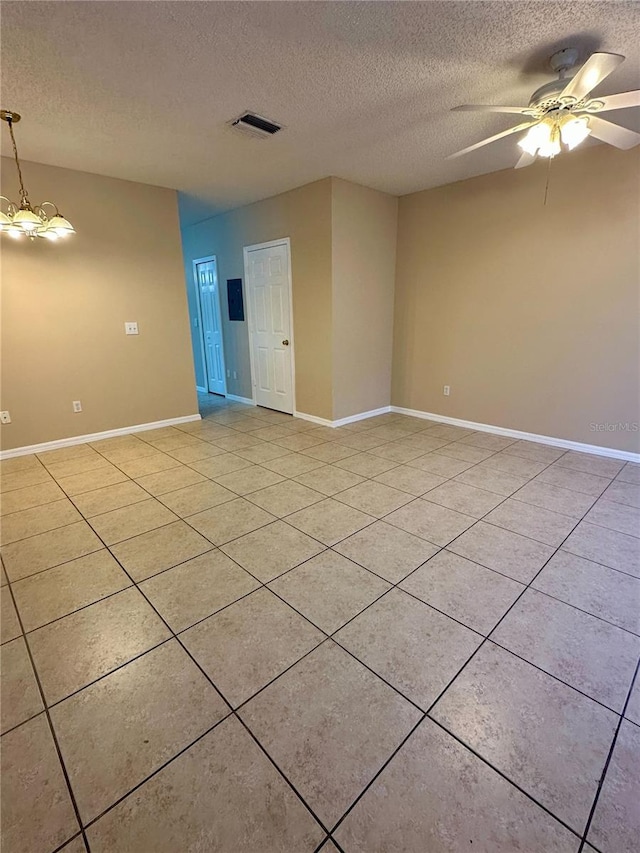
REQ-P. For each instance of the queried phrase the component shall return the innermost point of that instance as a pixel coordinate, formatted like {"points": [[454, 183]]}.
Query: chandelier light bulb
{"points": [[536, 138], [574, 131]]}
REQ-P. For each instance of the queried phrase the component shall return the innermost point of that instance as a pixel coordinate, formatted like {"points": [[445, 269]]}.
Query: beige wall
{"points": [[303, 215], [64, 307], [364, 224], [529, 312]]}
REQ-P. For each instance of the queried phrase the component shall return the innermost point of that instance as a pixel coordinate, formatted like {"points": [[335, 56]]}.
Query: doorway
{"points": [[206, 277], [267, 271]]}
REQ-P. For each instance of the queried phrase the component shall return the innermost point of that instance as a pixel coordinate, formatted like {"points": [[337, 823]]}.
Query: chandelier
{"points": [[23, 219]]}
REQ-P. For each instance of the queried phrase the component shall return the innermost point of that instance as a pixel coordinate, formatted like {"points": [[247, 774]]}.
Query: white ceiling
{"points": [[142, 90]]}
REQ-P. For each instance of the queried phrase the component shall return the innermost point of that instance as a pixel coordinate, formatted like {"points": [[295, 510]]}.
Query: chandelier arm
{"points": [[23, 193]]}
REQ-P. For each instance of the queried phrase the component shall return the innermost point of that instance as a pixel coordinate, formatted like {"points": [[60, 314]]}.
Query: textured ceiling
{"points": [[142, 90]]}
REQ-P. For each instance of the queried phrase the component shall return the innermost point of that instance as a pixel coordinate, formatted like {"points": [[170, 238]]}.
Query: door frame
{"points": [[195, 263], [283, 241]]}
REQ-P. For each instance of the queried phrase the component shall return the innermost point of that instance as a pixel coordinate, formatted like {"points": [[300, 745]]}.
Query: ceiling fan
{"points": [[563, 112]]}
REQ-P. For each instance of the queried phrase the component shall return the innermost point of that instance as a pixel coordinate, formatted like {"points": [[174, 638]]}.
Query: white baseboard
{"points": [[596, 449], [200, 389], [342, 421], [236, 399], [95, 436]]}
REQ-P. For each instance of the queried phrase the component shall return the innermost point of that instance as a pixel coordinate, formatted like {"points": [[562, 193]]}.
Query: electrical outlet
{"points": [[5, 417], [77, 406], [446, 390], [228, 374], [131, 328], [235, 374]]}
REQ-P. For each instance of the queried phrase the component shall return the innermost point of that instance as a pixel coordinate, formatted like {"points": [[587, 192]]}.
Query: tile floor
{"points": [[251, 633]]}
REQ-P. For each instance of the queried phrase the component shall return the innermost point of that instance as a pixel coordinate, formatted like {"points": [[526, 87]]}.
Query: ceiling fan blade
{"points": [[594, 71], [490, 108], [526, 159], [495, 138], [621, 101], [613, 134]]}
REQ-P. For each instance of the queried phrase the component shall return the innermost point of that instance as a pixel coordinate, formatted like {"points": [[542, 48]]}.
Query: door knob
{"points": [[285, 343]]}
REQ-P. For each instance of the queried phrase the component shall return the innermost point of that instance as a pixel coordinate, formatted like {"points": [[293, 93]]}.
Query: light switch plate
{"points": [[131, 328], [5, 418]]}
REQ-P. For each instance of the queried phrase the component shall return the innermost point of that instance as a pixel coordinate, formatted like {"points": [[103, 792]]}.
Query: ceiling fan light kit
{"points": [[562, 113], [24, 219]]}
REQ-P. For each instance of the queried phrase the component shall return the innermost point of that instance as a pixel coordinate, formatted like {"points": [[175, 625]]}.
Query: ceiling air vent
{"points": [[254, 125]]}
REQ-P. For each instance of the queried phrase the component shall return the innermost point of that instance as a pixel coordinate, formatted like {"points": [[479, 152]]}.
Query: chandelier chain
{"points": [[23, 192]]}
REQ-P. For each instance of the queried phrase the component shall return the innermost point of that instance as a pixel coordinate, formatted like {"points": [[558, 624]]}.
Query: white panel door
{"points": [[207, 278], [268, 286]]}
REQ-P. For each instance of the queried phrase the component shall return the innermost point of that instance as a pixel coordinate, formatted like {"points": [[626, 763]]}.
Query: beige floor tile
{"points": [[472, 594], [120, 524], [116, 732], [56, 592], [623, 493], [366, 464], [463, 498], [237, 442], [465, 453], [554, 498], [38, 519], [340, 717], [230, 520], [449, 431], [24, 478], [157, 550], [509, 553], [173, 442], [219, 465], [632, 711], [616, 820], [64, 454], [515, 465], [227, 775], [440, 465], [9, 625], [77, 466], [109, 498], [397, 452], [272, 550], [98, 479], [151, 464], [534, 450], [49, 549], [248, 644], [28, 462], [37, 813], [413, 647], [248, 480], [411, 480], [615, 516], [374, 498], [272, 433], [31, 496], [616, 550], [82, 647], [297, 442], [285, 497], [630, 474], [539, 524], [599, 590], [136, 451], [362, 441], [430, 521], [487, 441], [577, 481], [20, 695], [195, 452], [329, 452], [492, 480], [292, 464], [330, 521], [260, 453], [170, 480], [329, 590], [76, 845], [593, 656], [196, 498], [422, 441], [590, 464], [386, 550], [544, 736], [196, 589], [436, 796], [329, 480]]}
